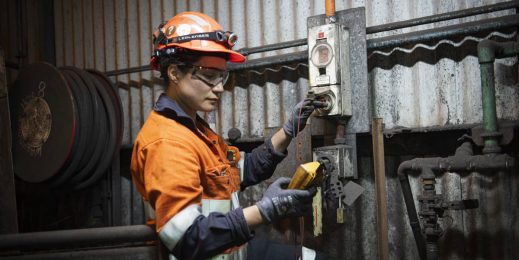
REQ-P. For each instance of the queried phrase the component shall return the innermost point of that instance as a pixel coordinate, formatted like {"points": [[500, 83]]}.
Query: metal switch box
{"points": [[340, 156], [328, 55]]}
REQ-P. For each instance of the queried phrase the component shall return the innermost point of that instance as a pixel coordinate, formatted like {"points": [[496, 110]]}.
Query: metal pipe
{"points": [[77, 237], [128, 70], [443, 32], [329, 6], [272, 47], [412, 214], [432, 229], [491, 142], [442, 17], [119, 253], [432, 250], [270, 61], [488, 51], [461, 161], [380, 185]]}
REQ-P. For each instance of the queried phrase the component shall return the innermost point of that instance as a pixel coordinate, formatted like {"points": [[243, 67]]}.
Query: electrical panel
{"points": [[328, 54]]}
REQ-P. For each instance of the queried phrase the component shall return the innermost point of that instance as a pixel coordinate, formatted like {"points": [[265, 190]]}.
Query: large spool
{"points": [[67, 125]]}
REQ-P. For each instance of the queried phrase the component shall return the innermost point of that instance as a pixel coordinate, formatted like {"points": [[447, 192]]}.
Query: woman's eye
{"points": [[210, 75]]}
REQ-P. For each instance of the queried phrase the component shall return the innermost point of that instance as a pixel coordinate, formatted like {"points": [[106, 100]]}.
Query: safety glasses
{"points": [[209, 76]]}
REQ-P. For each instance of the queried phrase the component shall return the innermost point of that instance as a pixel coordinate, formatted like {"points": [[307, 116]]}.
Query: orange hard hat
{"points": [[196, 32]]}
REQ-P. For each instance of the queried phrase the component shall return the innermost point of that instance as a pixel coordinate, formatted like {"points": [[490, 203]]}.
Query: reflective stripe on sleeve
{"points": [[235, 200], [209, 205], [241, 165], [175, 228]]}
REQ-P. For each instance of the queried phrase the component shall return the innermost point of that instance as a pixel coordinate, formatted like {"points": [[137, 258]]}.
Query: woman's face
{"points": [[194, 90]]}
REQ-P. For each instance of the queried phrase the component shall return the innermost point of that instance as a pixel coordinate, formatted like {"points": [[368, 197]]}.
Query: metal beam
{"points": [[8, 217], [137, 253], [78, 237], [443, 32]]}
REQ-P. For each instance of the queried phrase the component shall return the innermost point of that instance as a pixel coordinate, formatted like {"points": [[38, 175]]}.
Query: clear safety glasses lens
{"points": [[210, 76]]}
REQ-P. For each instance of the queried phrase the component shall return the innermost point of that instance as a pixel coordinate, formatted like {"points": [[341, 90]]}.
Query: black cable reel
{"points": [[66, 124]]}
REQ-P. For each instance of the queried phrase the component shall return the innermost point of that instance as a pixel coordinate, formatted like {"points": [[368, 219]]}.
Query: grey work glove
{"points": [[298, 117], [278, 202]]}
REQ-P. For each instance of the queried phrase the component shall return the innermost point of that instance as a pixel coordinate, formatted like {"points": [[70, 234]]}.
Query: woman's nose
{"points": [[218, 88]]}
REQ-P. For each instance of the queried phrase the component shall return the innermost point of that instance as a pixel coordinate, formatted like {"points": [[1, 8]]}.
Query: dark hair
{"points": [[184, 57]]}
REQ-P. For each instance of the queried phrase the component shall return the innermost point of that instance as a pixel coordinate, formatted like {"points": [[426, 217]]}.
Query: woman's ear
{"points": [[172, 73]]}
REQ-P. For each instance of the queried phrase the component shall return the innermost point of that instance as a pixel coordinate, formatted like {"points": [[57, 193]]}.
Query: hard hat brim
{"points": [[234, 56]]}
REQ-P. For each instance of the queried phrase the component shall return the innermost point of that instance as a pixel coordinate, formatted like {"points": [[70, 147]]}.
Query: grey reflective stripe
{"points": [[148, 210], [308, 254], [208, 206], [235, 201], [222, 206], [241, 165], [175, 228]]}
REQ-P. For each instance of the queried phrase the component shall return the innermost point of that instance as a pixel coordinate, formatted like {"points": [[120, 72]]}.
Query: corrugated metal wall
{"points": [[115, 34]]}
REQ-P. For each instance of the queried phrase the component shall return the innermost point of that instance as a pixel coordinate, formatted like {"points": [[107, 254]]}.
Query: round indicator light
{"points": [[322, 55]]}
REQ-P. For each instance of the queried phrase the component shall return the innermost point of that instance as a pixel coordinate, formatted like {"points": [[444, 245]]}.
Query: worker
{"points": [[186, 173]]}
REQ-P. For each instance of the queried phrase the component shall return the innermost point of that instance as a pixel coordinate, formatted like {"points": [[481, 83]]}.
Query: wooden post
{"points": [[8, 215], [380, 188]]}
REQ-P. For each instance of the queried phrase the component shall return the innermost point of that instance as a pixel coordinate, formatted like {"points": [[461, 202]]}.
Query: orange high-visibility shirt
{"points": [[173, 167]]}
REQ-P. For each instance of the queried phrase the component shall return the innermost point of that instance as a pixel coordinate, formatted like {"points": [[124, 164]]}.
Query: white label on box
{"points": [[322, 80]]}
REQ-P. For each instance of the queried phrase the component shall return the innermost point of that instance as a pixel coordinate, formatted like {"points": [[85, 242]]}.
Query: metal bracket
{"points": [[506, 131]]}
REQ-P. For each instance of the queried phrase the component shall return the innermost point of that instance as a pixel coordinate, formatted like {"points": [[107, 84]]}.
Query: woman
{"points": [[186, 173]]}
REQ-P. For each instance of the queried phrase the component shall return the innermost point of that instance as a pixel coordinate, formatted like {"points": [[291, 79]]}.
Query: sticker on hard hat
{"points": [[170, 30], [183, 29]]}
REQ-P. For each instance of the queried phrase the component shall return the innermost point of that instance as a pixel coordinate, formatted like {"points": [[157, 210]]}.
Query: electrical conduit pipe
{"points": [[488, 52]]}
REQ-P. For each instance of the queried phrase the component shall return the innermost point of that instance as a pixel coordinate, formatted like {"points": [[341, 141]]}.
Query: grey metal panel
{"points": [[125, 101], [58, 29], [256, 107], [426, 95], [98, 36], [135, 110]]}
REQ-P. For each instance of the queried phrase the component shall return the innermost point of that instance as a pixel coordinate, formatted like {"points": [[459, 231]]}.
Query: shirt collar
{"points": [[165, 104], [170, 108]]}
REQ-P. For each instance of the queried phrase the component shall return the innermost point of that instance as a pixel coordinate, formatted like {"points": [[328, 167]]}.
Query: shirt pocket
{"points": [[218, 182]]}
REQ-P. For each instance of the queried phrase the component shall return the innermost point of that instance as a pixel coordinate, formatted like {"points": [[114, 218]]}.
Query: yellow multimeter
{"points": [[307, 175]]}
